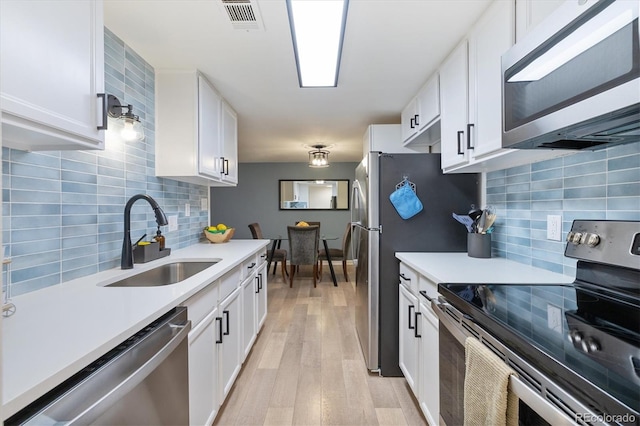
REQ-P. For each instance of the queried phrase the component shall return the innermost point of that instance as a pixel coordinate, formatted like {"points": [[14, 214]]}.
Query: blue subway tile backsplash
{"points": [[63, 211], [603, 184]]}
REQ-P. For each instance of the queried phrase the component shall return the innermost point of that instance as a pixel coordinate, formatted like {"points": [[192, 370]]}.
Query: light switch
{"points": [[554, 227], [187, 209], [204, 204], [173, 223]]}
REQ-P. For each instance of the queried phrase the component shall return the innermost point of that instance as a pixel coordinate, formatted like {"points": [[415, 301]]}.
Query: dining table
{"points": [[277, 242]]}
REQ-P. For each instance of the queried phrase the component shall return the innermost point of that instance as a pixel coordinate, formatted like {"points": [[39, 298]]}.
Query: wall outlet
{"points": [[554, 227], [187, 209], [204, 204], [554, 318], [173, 223]]}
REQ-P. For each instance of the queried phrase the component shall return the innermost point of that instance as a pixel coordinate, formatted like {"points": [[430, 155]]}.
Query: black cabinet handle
{"points": [[469, 126], [411, 307], [257, 285], [252, 265], [225, 166], [105, 107], [411, 123], [415, 120], [259, 282], [226, 313], [460, 132], [404, 278], [219, 321], [415, 333]]}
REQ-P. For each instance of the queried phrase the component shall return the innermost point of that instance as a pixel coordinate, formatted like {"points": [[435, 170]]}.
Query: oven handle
{"points": [[533, 399]]}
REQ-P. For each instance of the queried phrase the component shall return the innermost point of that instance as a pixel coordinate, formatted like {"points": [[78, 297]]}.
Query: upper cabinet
{"points": [[52, 71], [422, 112], [470, 84], [530, 13], [196, 135]]}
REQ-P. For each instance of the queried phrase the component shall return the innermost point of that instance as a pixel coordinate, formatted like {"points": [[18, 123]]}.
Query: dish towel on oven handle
{"points": [[487, 400], [405, 200]]}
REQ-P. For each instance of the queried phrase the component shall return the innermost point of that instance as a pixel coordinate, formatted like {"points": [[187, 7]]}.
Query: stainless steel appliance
{"points": [[574, 81], [379, 232], [575, 347], [144, 380]]}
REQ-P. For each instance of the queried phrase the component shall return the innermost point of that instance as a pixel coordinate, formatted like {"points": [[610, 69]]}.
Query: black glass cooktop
{"points": [[584, 338]]}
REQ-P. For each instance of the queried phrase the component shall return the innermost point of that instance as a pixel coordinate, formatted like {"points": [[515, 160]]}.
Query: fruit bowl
{"points": [[219, 236]]}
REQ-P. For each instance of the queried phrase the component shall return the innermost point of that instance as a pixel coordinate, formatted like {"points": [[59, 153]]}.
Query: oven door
{"points": [[533, 408], [574, 81]]}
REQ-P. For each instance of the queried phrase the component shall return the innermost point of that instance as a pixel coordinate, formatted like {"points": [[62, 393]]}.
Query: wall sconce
{"points": [[319, 157], [131, 128]]}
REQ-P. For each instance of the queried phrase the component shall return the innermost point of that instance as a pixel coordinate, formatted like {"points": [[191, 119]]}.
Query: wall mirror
{"points": [[312, 194]]}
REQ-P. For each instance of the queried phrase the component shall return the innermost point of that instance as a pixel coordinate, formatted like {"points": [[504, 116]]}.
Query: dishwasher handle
{"points": [[116, 393]]}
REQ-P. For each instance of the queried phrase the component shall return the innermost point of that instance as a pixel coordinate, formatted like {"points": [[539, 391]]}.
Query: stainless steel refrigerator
{"points": [[379, 232]]}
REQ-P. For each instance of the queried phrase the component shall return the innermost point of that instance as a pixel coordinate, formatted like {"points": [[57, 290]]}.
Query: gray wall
{"points": [[255, 199]]}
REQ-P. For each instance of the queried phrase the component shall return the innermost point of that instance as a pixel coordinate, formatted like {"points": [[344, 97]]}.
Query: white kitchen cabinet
{"points": [[229, 152], [418, 349], [471, 109], [261, 296], [422, 111], [230, 311], [530, 13], [429, 381], [249, 290], [196, 130], [454, 83], [203, 370], [52, 71], [408, 340]]}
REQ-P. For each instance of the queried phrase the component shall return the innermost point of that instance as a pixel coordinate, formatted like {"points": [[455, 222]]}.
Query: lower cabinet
{"points": [[203, 371], [429, 381], [409, 340], [418, 348], [226, 317], [261, 296], [229, 358]]}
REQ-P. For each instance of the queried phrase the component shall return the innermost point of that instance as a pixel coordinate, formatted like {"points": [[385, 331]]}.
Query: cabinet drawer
{"points": [[409, 278], [249, 267], [201, 303], [425, 284], [261, 257], [230, 281]]}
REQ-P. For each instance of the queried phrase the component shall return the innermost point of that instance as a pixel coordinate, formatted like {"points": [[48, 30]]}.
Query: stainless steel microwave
{"points": [[574, 81]]}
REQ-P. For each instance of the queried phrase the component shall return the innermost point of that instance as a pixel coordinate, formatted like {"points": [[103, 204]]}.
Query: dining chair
{"points": [[338, 254], [279, 255], [303, 245]]}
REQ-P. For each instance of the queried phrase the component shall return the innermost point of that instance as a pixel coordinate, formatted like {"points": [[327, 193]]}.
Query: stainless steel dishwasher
{"points": [[142, 381]]}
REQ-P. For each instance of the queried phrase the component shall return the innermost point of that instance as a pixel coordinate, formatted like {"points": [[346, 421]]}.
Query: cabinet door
{"points": [[248, 314], [229, 158], [492, 35], [408, 121], [428, 102], [209, 148], [530, 13], [52, 70], [261, 296], [203, 371], [230, 313], [454, 103], [429, 365], [408, 350]]}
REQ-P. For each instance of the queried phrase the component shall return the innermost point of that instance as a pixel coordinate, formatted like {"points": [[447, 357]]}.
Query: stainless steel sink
{"points": [[169, 273]]}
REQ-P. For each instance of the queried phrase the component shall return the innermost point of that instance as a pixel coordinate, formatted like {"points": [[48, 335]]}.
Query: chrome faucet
{"points": [[126, 261]]}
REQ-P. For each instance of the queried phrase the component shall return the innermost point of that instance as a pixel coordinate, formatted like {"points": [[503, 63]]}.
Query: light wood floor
{"points": [[306, 367]]}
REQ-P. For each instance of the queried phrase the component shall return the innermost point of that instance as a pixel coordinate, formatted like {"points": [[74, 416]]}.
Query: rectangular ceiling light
{"points": [[317, 29]]}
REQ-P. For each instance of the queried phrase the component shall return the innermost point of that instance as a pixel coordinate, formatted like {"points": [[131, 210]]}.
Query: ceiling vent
{"points": [[243, 14]]}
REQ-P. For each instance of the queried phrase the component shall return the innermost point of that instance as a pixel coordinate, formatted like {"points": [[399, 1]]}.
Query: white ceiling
{"points": [[390, 48]]}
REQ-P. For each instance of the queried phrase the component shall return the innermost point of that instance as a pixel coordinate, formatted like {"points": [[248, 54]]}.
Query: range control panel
{"points": [[605, 241]]}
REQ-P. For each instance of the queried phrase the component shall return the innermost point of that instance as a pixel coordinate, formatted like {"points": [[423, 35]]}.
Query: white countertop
{"points": [[58, 330], [460, 268]]}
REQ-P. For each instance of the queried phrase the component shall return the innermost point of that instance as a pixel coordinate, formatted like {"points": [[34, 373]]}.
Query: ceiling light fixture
{"points": [[319, 157], [317, 30], [131, 128]]}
